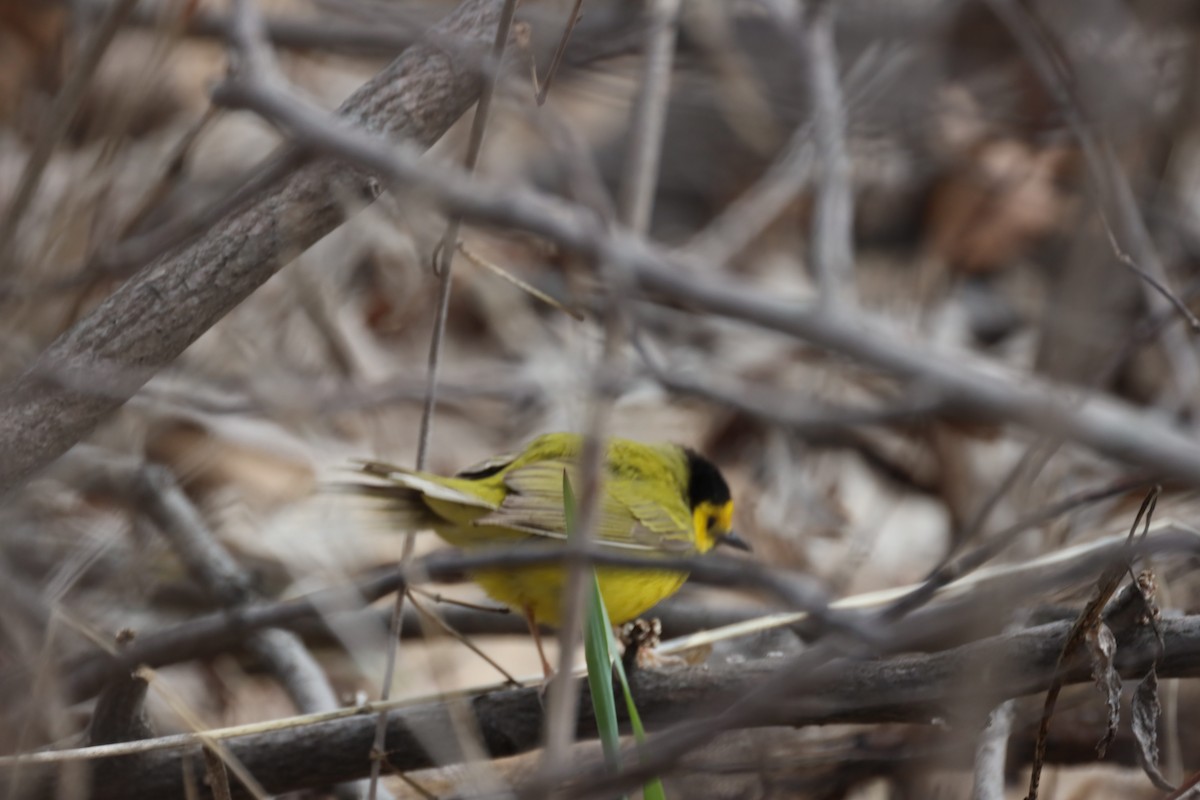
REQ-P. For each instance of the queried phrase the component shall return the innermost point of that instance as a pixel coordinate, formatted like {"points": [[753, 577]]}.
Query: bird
{"points": [[658, 500]]}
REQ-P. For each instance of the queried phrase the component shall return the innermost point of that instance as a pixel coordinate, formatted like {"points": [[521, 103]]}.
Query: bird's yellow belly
{"points": [[627, 593]]}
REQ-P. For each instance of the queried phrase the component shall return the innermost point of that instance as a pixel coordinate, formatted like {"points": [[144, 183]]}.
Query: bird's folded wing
{"points": [[630, 518]]}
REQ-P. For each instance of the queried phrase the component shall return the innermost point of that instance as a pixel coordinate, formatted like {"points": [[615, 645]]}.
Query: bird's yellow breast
{"points": [[538, 591]]}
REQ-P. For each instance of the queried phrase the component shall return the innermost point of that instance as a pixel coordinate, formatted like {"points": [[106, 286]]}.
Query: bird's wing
{"points": [[630, 517]]}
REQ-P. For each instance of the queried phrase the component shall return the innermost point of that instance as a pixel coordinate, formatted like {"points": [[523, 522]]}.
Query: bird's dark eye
{"points": [[712, 521]]}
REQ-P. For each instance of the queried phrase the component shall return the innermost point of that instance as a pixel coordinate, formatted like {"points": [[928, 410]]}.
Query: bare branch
{"points": [[915, 688], [151, 319], [974, 386]]}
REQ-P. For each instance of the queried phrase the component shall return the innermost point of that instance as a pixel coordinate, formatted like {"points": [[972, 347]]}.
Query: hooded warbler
{"points": [[659, 499]]}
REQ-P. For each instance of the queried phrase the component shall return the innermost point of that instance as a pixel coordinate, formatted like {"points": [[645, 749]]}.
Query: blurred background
{"points": [[980, 226]]}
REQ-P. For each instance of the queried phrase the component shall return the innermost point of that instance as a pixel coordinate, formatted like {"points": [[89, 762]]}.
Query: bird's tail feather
{"points": [[402, 507]]}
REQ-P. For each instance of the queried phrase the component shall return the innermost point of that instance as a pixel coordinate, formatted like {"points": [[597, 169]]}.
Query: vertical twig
{"points": [[559, 52], [635, 206], [62, 113], [444, 260], [635, 201], [831, 234]]}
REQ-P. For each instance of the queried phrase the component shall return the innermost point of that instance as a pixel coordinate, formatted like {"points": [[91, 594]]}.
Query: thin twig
{"points": [[437, 597], [832, 231], [559, 52], [437, 620], [635, 201], [62, 113]]}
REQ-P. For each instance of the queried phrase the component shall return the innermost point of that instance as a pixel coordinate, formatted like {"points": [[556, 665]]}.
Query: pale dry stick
{"points": [[411, 783], [544, 90], [634, 208], [831, 234], [1117, 198], [62, 113], [524, 286], [780, 409], [445, 272], [991, 754]]}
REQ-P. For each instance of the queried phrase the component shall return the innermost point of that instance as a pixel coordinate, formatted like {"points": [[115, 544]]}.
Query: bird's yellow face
{"points": [[713, 523], [711, 503]]}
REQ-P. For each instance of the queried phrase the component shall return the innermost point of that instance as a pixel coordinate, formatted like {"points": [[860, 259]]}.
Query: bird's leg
{"points": [[547, 670]]}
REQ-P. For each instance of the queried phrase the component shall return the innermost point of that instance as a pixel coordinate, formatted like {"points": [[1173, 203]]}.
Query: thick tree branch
{"points": [[153, 317], [906, 688]]}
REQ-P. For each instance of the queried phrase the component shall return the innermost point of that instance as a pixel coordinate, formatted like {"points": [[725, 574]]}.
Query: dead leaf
{"points": [[1145, 714], [1102, 646]]}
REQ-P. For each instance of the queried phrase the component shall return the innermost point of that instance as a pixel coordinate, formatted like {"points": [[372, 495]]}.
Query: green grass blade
{"points": [[600, 652], [596, 638]]}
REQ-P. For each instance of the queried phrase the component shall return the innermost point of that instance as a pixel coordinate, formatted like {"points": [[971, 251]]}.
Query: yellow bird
{"points": [[659, 499]]}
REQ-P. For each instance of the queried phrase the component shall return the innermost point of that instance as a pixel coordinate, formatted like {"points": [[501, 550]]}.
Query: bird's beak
{"points": [[731, 539]]}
